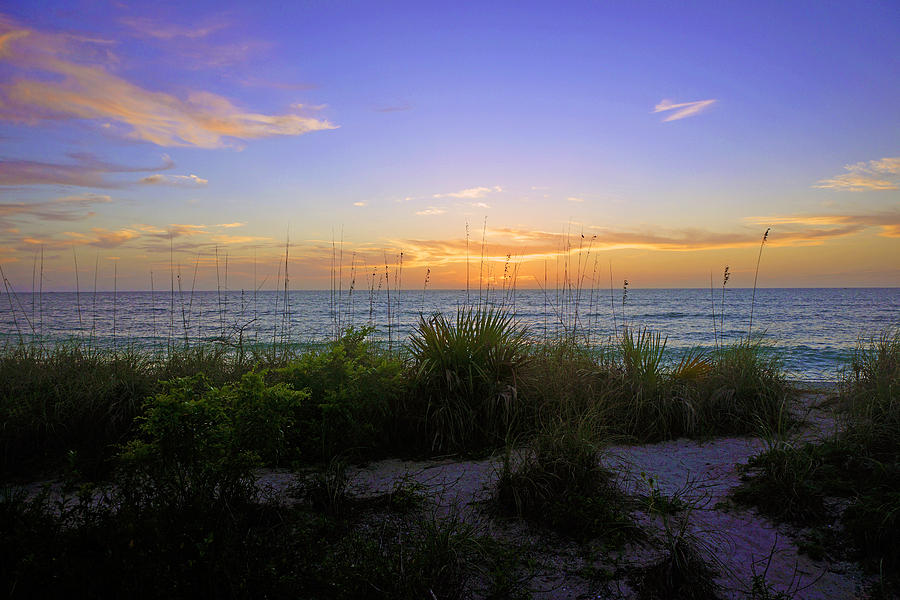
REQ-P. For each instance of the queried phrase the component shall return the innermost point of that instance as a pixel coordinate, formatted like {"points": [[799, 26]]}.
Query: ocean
{"points": [[814, 330]]}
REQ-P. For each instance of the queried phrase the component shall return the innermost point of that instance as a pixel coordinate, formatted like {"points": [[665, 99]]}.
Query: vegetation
{"points": [[859, 464], [558, 481], [465, 377], [173, 444]]}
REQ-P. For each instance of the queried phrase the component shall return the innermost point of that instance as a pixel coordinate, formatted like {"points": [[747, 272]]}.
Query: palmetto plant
{"points": [[466, 371], [642, 355]]}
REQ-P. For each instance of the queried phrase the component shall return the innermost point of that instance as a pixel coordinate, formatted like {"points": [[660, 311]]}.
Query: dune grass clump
{"points": [[871, 393], [684, 571], [465, 377], [567, 382], [68, 399], [731, 390], [558, 481], [747, 387]]}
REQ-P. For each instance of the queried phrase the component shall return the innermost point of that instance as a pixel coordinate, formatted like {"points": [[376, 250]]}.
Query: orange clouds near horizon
{"points": [[506, 256]]}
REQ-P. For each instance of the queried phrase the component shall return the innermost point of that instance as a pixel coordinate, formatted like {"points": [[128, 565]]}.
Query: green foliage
{"points": [[354, 391], [198, 444], [747, 386], [73, 400], [871, 393], [466, 377], [786, 483], [68, 399], [642, 356], [558, 481]]}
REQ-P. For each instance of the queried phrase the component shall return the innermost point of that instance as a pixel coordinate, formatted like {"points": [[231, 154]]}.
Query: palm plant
{"points": [[466, 371]]}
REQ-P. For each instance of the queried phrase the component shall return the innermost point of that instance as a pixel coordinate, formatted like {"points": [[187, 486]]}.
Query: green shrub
{"points": [[354, 391], [860, 463], [198, 444]]}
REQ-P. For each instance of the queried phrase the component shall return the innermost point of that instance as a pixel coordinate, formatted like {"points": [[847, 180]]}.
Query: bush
{"points": [[466, 377], [198, 444], [355, 391]]}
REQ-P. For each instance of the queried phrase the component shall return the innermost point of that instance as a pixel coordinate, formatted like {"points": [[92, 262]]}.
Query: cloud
{"points": [[237, 239], [431, 210], [173, 230], [575, 199], [529, 244], [98, 237], [818, 226], [185, 230], [192, 46], [390, 109], [683, 109], [231, 225], [471, 193], [360, 203], [874, 175], [61, 79], [166, 31], [86, 171], [104, 238], [183, 180], [480, 205], [66, 208]]}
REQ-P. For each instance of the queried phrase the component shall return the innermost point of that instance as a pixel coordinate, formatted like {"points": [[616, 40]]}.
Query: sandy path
{"points": [[702, 473]]}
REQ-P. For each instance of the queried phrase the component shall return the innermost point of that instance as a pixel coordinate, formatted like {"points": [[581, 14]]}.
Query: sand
{"points": [[743, 542]]}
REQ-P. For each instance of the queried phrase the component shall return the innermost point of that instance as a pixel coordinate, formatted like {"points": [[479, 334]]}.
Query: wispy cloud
{"points": [[80, 86], [390, 109], [881, 174], [431, 210], [816, 227], [166, 31], [183, 180], [360, 203], [470, 193], [531, 244], [86, 171], [682, 109], [66, 208], [575, 199], [104, 238], [237, 239], [98, 237], [196, 45], [231, 225]]}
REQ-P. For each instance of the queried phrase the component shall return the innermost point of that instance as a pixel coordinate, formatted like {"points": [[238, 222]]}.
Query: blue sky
{"points": [[675, 133]]}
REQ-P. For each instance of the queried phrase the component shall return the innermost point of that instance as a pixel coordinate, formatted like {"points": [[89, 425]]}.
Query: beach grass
{"points": [[859, 464]]}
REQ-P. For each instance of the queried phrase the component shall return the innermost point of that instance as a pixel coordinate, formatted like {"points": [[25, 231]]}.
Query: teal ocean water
{"points": [[814, 329]]}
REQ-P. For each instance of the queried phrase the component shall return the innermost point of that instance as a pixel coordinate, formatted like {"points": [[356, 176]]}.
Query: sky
{"points": [[534, 143]]}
